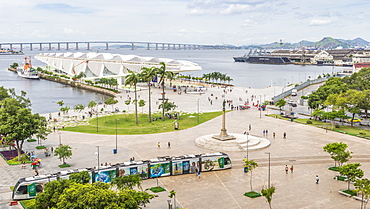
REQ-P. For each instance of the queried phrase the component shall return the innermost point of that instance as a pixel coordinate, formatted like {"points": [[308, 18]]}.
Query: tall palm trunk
{"points": [[136, 119], [163, 100], [150, 104]]}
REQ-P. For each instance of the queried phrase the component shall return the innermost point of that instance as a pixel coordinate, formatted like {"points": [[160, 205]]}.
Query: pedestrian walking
{"points": [[286, 169], [52, 149], [250, 127], [317, 179], [36, 172], [273, 134], [264, 132], [267, 131], [284, 135], [291, 169], [159, 144], [169, 144]]}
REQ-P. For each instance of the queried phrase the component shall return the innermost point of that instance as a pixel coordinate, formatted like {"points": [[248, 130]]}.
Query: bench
{"points": [[13, 203]]}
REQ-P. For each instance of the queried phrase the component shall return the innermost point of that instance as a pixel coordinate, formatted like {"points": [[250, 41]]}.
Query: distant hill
{"points": [[325, 43], [357, 42], [330, 43]]}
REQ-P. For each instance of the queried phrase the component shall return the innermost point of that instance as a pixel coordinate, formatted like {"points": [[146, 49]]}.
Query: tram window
{"points": [[227, 161], [22, 190], [39, 188]]}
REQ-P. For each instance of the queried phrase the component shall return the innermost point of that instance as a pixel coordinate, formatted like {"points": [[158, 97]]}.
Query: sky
{"points": [[235, 22]]}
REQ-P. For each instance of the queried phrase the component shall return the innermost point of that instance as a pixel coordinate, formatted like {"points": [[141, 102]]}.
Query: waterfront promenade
{"points": [[220, 189]]}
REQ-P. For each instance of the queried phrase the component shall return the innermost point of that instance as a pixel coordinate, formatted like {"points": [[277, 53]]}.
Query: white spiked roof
{"points": [[97, 65]]}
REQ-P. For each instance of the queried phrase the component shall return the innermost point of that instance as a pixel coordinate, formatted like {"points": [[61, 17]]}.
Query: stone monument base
{"points": [[224, 138]]}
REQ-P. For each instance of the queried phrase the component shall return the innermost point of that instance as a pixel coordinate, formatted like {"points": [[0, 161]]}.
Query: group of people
{"points": [[287, 169], [168, 144]]}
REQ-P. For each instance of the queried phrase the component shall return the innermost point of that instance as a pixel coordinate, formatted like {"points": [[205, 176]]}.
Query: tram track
{"points": [[300, 160]]}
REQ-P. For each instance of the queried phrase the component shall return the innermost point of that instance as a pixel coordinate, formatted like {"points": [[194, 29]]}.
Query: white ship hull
{"points": [[28, 74]]}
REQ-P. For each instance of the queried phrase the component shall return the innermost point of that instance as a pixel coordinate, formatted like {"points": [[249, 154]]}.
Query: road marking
{"points": [[227, 189]]}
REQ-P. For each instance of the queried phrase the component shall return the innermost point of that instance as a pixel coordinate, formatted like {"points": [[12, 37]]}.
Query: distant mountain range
{"points": [[325, 43]]}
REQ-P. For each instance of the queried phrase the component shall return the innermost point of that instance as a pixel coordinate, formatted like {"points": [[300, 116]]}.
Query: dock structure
{"points": [[58, 45]]}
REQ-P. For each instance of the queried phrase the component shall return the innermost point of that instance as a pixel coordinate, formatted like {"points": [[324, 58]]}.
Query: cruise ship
{"points": [[262, 57]]}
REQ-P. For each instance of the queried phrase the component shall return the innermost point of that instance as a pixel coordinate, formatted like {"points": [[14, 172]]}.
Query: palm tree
{"points": [[163, 73], [132, 79], [147, 74]]}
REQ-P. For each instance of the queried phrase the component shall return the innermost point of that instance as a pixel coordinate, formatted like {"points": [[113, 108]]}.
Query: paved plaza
{"points": [[219, 189]]}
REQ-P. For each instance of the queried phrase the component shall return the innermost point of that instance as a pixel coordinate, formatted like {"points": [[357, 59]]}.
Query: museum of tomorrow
{"points": [[106, 65]]}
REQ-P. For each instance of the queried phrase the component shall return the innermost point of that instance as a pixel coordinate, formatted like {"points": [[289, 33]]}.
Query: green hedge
{"points": [[252, 194], [157, 189]]}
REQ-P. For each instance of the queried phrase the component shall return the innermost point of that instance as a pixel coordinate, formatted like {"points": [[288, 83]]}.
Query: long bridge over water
{"points": [[77, 44]]}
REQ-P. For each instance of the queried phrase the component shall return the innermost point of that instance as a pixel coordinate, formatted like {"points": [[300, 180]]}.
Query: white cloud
{"points": [[196, 12], [71, 31], [317, 22]]}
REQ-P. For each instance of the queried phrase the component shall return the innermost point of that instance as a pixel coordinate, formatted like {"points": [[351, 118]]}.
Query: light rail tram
{"points": [[28, 188]]}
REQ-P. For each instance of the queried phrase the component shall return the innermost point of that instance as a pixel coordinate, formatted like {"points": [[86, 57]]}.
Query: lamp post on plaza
{"points": [[198, 109], [260, 106], [97, 118], [60, 138], [269, 176], [247, 145], [97, 157], [116, 136]]}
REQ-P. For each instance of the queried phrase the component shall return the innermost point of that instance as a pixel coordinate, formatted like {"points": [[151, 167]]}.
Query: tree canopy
{"points": [[18, 123]]}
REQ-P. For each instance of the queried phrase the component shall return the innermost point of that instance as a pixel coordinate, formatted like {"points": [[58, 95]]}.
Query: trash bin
{"points": [[114, 151], [291, 120], [83, 117]]}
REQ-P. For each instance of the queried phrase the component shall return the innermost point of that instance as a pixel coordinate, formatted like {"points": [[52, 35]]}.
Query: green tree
{"points": [[363, 188], [141, 103], [163, 74], [63, 152], [280, 103], [60, 103], [50, 196], [358, 81], [167, 106], [82, 177], [92, 104], [338, 152], [350, 101], [251, 166], [111, 101], [352, 172], [79, 108], [132, 79], [173, 195], [147, 74], [267, 193], [18, 123], [127, 182], [332, 86]]}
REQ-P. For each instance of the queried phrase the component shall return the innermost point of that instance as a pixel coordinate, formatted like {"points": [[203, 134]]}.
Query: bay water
{"points": [[45, 94]]}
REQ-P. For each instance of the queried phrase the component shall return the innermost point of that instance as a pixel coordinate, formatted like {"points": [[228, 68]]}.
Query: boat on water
{"points": [[27, 71], [10, 52], [262, 57]]}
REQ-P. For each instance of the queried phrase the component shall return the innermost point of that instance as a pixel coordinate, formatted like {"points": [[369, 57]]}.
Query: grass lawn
{"points": [[354, 131], [126, 124]]}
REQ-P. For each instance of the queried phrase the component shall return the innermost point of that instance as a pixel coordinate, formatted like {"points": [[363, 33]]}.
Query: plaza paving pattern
{"points": [[220, 189]]}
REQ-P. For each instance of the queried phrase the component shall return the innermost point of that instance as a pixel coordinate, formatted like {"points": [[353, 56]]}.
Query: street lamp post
{"points": [[97, 118], [60, 138], [116, 136], [97, 156], [247, 145], [269, 176], [169, 204], [260, 106], [198, 109]]}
